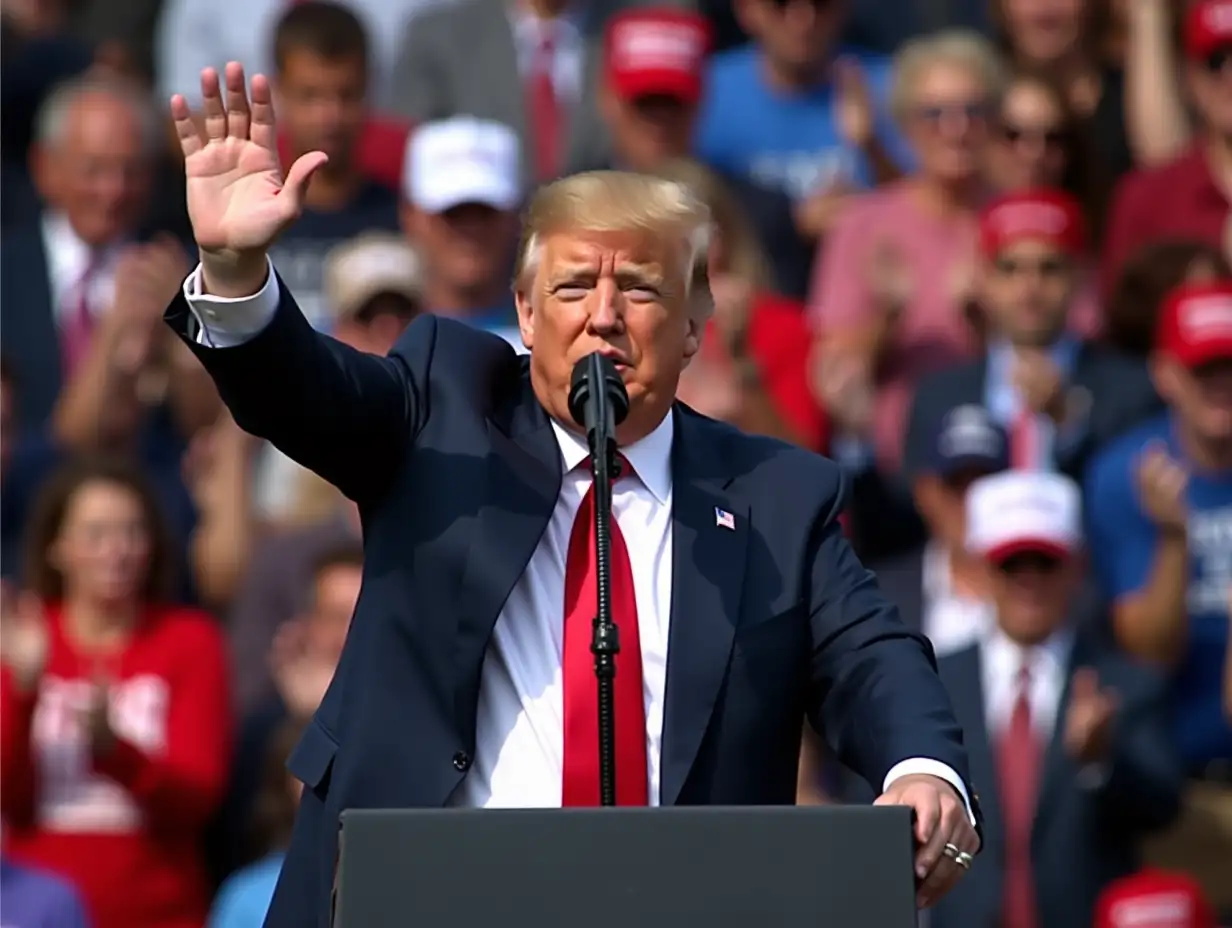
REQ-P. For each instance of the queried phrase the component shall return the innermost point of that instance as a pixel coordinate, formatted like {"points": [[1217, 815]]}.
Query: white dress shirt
{"points": [[568, 51], [520, 721], [1001, 661], [68, 260], [950, 621]]}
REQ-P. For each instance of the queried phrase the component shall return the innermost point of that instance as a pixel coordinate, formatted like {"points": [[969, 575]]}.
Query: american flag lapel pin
{"points": [[724, 519]]}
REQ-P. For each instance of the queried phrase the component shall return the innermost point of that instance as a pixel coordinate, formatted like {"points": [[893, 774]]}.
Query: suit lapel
{"points": [[708, 566], [521, 485]]}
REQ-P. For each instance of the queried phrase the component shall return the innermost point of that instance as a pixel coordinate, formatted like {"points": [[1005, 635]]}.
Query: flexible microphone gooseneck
{"points": [[598, 403]]}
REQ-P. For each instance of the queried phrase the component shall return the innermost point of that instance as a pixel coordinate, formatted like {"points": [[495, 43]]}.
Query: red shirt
{"points": [[1178, 200], [125, 828], [380, 152], [780, 341]]}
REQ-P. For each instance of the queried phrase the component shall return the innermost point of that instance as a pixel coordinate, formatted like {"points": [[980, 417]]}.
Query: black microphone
{"points": [[598, 400]]}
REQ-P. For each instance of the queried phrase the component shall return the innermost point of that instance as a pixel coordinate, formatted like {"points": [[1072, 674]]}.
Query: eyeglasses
{"points": [[970, 110], [1046, 267], [1051, 138]]}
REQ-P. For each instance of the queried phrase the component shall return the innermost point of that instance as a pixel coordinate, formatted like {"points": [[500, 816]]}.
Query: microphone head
{"points": [[579, 392], [596, 372]]}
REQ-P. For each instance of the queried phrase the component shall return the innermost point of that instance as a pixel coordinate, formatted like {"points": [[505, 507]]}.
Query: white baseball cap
{"points": [[462, 160], [1019, 511]]}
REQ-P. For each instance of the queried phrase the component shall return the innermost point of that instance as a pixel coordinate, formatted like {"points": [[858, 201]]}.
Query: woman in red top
{"points": [[114, 719]]}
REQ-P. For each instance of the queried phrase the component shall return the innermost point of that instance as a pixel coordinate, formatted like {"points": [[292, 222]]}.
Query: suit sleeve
{"points": [[183, 784], [344, 414], [875, 692]]}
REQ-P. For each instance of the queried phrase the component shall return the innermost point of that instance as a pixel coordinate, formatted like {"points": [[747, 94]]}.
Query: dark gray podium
{"points": [[749, 867]]}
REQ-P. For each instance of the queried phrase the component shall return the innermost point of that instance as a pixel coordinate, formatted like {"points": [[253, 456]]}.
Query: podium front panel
{"points": [[738, 867]]}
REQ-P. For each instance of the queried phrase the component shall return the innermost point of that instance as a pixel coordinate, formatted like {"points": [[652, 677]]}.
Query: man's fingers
{"points": [[953, 828], [261, 129], [237, 101], [186, 129], [211, 106], [928, 832]]}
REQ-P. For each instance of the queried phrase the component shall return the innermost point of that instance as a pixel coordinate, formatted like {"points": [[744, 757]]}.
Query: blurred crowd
{"points": [[977, 251]]}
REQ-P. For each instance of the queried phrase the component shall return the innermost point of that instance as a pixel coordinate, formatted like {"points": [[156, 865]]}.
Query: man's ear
{"points": [[526, 315], [693, 337]]}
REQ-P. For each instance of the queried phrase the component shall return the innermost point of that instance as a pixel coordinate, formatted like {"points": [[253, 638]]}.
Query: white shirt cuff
{"points": [[225, 322], [913, 766]]}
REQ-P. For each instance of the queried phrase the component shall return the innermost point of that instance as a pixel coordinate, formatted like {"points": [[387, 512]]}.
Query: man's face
{"points": [[1210, 84], [99, 171], [651, 130], [1026, 289], [795, 34], [622, 293], [1032, 593], [1045, 30], [321, 103], [335, 596], [1201, 396], [377, 325], [467, 246]]}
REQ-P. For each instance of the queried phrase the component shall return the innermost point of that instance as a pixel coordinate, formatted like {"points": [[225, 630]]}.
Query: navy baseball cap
{"points": [[968, 440]]}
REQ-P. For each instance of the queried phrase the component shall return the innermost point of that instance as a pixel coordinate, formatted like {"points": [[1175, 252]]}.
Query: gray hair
{"points": [[960, 48], [53, 117]]}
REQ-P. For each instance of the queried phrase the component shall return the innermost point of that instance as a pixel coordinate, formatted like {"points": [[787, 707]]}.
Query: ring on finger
{"points": [[951, 851], [964, 860]]}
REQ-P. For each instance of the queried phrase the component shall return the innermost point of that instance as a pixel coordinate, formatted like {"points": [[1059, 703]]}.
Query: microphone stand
{"points": [[605, 643]]}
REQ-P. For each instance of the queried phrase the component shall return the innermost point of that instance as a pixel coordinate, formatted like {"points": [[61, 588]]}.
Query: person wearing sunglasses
{"points": [[1068, 737], [1187, 198], [1059, 396]]}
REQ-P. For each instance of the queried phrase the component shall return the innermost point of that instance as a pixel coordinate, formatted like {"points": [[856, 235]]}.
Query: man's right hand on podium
{"points": [[238, 200]]}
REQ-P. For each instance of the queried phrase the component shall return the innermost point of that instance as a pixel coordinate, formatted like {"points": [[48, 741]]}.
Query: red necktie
{"points": [[1019, 758], [1024, 440], [78, 324], [545, 114], [580, 785]]}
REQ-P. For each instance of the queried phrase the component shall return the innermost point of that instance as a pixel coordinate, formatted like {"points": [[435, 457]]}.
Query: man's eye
{"points": [[570, 291]]}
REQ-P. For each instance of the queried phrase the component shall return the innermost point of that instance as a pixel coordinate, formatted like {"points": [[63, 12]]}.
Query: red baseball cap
{"points": [[1195, 323], [659, 52], [1153, 899], [1208, 27], [1043, 214]]}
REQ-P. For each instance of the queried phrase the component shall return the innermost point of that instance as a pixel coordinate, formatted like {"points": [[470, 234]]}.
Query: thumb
{"points": [[295, 187], [1084, 685]]}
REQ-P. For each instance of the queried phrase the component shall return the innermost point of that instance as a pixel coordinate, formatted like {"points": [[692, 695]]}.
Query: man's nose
{"points": [[606, 314]]}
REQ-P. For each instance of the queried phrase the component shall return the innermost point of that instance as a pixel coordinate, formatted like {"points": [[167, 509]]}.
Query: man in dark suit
{"points": [[461, 682], [1058, 396], [1069, 739]]}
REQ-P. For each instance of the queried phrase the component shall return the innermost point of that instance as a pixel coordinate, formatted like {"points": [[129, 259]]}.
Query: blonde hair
{"points": [[745, 258], [619, 201], [957, 47]]}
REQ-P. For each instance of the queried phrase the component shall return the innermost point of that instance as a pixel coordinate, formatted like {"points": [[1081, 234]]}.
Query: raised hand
{"points": [[238, 200], [24, 640], [1088, 721]]}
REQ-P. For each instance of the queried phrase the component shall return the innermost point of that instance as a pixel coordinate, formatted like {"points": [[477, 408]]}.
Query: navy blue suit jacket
{"points": [[1085, 835], [456, 471]]}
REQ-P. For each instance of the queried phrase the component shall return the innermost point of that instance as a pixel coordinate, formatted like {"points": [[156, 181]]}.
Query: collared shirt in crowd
{"points": [[1004, 400], [1001, 661], [73, 265], [1123, 541], [950, 620]]}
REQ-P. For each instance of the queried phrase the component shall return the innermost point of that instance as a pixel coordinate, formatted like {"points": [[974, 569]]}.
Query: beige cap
{"points": [[367, 266]]}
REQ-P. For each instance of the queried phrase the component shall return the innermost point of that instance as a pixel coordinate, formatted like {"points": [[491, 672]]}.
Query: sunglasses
{"points": [[936, 113], [1034, 561], [1046, 267], [1050, 138]]}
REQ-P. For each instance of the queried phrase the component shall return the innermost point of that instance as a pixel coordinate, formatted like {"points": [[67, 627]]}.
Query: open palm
{"points": [[238, 201]]}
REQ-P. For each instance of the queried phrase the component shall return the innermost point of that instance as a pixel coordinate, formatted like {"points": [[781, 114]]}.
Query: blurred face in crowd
{"points": [[649, 131], [377, 325], [796, 35], [941, 502], [1029, 141], [1210, 84], [335, 594], [1025, 290], [947, 122], [321, 103], [97, 172], [1201, 396], [1044, 31], [622, 293], [467, 248], [1032, 592], [103, 548]]}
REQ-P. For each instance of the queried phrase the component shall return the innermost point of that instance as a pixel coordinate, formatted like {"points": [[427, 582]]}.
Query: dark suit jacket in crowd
{"points": [[456, 471], [1086, 831], [1120, 392]]}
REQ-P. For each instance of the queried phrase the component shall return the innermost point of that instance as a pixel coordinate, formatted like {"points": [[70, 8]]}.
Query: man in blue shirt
{"points": [[787, 113], [1160, 509]]}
